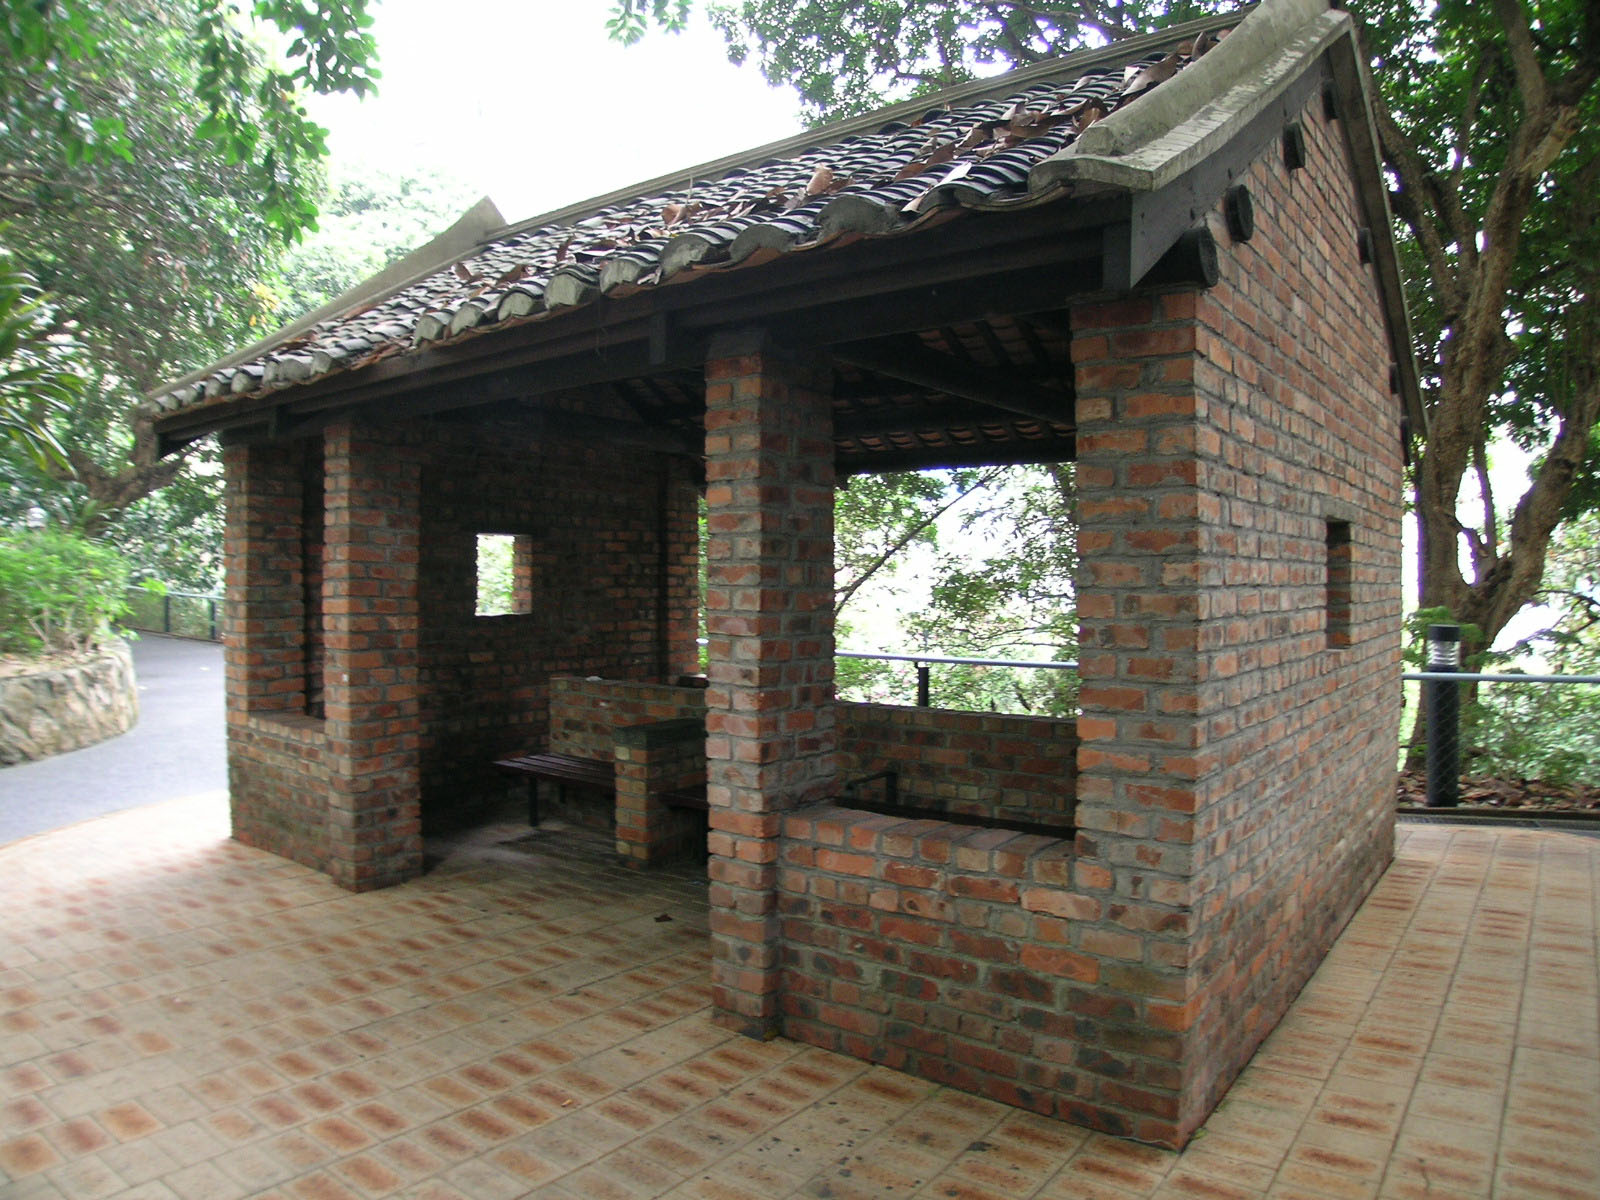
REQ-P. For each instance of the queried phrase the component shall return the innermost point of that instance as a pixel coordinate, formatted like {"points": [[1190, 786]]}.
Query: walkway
{"points": [[181, 1016], [176, 749]]}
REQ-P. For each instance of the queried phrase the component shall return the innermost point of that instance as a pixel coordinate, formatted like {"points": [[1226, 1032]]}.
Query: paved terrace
{"points": [[181, 1016]]}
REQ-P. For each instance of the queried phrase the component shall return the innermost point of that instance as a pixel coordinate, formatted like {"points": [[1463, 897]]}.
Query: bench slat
{"points": [[562, 766], [691, 798]]}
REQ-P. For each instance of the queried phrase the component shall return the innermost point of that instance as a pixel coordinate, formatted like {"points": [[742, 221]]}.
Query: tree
{"points": [[36, 381], [993, 552], [152, 232], [251, 116], [1489, 118], [371, 216]]}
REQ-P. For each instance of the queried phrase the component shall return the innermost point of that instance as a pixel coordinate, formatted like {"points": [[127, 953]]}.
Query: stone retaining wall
{"points": [[53, 711]]}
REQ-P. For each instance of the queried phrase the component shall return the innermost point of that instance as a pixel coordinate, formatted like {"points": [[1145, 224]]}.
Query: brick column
{"points": [[370, 607], [769, 613], [1144, 593]]}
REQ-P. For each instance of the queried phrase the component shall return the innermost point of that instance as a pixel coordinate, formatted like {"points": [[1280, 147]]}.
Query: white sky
{"points": [[530, 103]]}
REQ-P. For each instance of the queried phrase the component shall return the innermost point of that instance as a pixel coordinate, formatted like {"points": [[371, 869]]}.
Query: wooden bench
{"points": [[689, 797], [561, 769]]}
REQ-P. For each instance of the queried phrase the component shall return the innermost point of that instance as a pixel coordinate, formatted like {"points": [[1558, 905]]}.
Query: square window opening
{"points": [[504, 575]]}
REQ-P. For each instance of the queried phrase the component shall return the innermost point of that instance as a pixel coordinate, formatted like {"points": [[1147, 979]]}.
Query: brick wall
{"points": [[277, 778], [606, 525], [586, 713], [652, 758], [374, 623], [371, 619], [986, 765], [1236, 771], [950, 952]]}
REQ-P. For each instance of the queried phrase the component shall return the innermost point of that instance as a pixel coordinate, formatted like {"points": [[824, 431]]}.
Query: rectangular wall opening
{"points": [[505, 575], [1339, 580]]}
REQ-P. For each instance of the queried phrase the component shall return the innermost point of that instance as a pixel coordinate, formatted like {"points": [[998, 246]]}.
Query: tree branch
{"points": [[1531, 82], [906, 539]]}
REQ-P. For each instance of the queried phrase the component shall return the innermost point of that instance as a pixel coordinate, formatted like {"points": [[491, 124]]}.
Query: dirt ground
{"points": [[1506, 793]]}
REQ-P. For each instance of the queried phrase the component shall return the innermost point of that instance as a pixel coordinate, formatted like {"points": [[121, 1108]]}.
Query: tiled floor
{"points": [[180, 1016]]}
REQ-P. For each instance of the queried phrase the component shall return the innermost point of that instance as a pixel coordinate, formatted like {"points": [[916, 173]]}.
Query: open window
{"points": [[505, 575]]}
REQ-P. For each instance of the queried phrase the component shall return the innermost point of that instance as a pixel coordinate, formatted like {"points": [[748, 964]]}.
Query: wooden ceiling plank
{"points": [[907, 359]]}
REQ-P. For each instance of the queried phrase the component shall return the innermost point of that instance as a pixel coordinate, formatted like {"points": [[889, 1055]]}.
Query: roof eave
{"points": [[1152, 142]]}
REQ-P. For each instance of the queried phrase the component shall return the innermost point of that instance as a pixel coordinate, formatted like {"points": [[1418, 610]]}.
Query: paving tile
{"points": [[502, 1030]]}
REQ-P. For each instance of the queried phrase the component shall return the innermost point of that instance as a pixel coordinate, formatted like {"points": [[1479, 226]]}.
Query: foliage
{"points": [[995, 554], [59, 593], [496, 574], [371, 216], [1550, 731], [152, 161], [250, 118], [36, 382]]}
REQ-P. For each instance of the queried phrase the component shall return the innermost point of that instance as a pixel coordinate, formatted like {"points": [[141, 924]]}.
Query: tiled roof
{"points": [[969, 155]]}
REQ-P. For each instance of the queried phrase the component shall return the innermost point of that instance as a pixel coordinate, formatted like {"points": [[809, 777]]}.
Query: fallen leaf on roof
{"points": [[976, 136], [517, 272], [1147, 77], [674, 213], [821, 180], [561, 250], [1089, 116], [465, 273]]}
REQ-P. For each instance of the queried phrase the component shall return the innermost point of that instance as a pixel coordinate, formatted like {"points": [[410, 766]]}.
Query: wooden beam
{"points": [[910, 361], [934, 458], [892, 420]]}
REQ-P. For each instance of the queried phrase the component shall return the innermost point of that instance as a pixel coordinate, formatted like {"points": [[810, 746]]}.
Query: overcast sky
{"points": [[532, 105]]}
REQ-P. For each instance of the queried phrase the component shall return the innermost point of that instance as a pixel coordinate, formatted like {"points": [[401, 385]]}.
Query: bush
{"points": [[59, 593]]}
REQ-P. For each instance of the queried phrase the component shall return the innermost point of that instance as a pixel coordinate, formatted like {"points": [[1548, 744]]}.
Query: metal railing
{"points": [[925, 662], [1442, 684], [180, 614]]}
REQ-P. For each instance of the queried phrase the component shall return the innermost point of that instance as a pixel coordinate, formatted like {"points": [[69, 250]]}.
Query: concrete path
{"points": [[176, 749], [184, 1018]]}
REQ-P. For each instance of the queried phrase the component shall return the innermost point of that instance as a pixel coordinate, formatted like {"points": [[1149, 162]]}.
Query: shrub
{"points": [[59, 593]]}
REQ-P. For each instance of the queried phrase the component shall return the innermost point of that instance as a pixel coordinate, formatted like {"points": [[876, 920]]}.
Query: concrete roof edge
{"points": [[1267, 31], [466, 234], [1207, 127]]}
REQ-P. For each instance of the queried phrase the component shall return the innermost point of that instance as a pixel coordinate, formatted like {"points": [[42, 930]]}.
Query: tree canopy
{"points": [[51, 78], [153, 162]]}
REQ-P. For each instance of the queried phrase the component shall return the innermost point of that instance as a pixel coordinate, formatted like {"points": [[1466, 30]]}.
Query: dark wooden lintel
{"points": [[908, 359], [935, 457]]}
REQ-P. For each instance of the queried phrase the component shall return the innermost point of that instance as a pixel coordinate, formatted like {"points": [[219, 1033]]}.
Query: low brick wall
{"points": [[985, 765], [278, 775], [586, 713], [968, 957]]}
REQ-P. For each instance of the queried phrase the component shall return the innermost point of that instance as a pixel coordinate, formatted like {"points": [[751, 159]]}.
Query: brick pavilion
{"points": [[1168, 261]]}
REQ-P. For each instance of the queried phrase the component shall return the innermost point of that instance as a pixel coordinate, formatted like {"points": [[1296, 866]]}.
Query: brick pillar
{"points": [[370, 603], [769, 614], [1144, 592]]}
